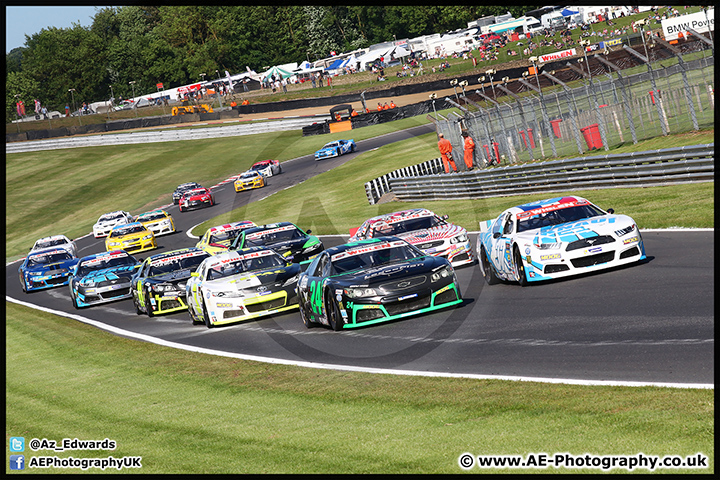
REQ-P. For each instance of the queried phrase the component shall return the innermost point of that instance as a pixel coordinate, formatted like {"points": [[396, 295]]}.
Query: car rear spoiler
{"points": [[485, 225]]}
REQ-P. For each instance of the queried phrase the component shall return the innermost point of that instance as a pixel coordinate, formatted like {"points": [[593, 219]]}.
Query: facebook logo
{"points": [[17, 462], [17, 444]]}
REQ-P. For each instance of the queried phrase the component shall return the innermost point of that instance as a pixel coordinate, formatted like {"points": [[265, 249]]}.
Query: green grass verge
{"points": [[191, 413]]}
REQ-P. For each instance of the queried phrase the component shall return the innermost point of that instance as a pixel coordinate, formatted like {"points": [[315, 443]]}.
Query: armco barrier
{"points": [[640, 169], [378, 187]]}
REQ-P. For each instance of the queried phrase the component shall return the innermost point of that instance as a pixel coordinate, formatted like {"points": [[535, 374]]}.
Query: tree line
{"points": [[174, 45]]}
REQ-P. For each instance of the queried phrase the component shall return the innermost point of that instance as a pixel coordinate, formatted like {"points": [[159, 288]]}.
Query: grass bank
{"points": [[189, 413]]}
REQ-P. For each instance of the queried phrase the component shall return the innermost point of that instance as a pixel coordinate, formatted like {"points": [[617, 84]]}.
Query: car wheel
{"points": [[191, 310], [305, 316], [181, 209], [136, 302], [23, 285], [74, 300], [148, 306], [338, 152], [208, 323], [487, 269], [522, 277], [333, 312], [352, 148]]}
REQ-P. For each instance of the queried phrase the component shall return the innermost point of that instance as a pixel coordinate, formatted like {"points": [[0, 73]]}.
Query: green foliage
{"points": [[175, 44]]}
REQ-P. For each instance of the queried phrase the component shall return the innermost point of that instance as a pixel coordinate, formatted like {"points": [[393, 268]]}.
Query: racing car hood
{"points": [[253, 280], [171, 277], [394, 272], [289, 246], [569, 232], [110, 223], [57, 266], [441, 232], [107, 273]]}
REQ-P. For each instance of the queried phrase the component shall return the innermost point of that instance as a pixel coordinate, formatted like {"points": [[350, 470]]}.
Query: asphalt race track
{"points": [[649, 323]]}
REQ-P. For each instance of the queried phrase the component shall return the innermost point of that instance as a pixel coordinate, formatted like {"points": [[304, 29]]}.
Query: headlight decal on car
{"points": [[631, 240]]}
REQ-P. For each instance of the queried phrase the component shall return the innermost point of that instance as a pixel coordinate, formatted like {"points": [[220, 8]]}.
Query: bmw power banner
{"points": [[673, 27]]}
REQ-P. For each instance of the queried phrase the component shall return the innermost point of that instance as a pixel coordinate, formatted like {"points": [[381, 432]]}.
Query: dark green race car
{"points": [[284, 237], [372, 281]]}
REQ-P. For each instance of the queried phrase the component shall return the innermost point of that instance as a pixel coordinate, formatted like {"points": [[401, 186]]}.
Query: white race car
{"points": [[107, 221], [432, 234], [57, 241], [241, 284], [555, 238]]}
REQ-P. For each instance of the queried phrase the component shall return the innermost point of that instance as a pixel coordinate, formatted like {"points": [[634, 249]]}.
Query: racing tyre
{"points": [[208, 323], [522, 277], [352, 148], [487, 268], [181, 209], [148, 306], [333, 312], [193, 315], [22, 285], [74, 300], [305, 316], [136, 302]]}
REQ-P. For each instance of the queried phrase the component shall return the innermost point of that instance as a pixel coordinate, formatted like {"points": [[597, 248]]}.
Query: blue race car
{"points": [[335, 149], [46, 269], [102, 277]]}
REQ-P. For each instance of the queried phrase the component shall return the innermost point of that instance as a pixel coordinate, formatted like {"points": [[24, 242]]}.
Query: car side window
{"points": [[497, 226], [320, 266], [507, 224]]}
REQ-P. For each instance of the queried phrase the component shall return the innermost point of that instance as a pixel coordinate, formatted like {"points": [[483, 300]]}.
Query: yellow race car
{"points": [[217, 239], [157, 221], [249, 180], [133, 238]]}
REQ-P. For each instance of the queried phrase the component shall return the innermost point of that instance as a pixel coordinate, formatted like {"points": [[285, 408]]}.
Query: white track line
{"points": [[328, 366]]}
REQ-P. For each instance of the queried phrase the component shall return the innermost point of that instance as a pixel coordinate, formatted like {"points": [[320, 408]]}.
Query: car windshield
{"points": [[247, 263], [104, 262], [249, 175], [187, 186], [179, 262], [227, 235], [331, 144], [49, 243], [148, 217], [198, 191], [409, 225], [119, 232], [556, 217], [111, 216], [275, 235], [372, 256], [48, 258]]}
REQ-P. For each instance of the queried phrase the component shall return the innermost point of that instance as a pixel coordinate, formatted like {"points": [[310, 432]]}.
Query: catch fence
{"points": [[541, 116]]}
